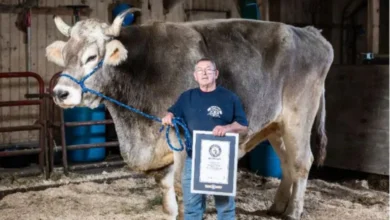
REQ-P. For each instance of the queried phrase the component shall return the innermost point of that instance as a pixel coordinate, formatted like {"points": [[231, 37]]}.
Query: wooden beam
{"points": [[236, 3], [274, 8], [169, 4], [60, 10], [373, 26], [196, 15], [264, 9]]}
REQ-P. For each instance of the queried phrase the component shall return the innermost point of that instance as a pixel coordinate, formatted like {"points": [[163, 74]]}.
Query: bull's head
{"points": [[90, 41]]}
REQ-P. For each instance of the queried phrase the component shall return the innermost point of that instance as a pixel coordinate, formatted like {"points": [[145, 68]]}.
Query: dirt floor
{"points": [[140, 198]]}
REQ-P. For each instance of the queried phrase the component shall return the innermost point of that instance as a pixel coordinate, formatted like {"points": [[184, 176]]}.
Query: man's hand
{"points": [[233, 127], [220, 130], [167, 120]]}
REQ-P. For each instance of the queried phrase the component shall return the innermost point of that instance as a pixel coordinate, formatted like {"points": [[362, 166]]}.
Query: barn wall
{"points": [[356, 130], [357, 95], [13, 48], [348, 36], [357, 123]]}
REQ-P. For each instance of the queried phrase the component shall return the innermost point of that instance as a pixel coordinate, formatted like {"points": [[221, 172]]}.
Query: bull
{"points": [[276, 69]]}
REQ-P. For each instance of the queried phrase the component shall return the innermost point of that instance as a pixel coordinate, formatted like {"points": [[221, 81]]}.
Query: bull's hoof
{"points": [[274, 210], [289, 217], [173, 213], [172, 218], [170, 212]]}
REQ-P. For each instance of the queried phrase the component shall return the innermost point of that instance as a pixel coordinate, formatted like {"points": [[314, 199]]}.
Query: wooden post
{"points": [[373, 26], [274, 10], [264, 9]]}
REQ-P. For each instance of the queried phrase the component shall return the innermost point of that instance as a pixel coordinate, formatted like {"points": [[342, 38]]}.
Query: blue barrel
{"points": [[119, 8], [264, 161], [88, 134], [250, 9]]}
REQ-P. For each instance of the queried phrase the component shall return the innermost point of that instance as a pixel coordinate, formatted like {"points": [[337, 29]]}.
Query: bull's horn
{"points": [[62, 26], [115, 27]]}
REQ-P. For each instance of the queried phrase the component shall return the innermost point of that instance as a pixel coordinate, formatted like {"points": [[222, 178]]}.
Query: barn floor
{"points": [[140, 198]]}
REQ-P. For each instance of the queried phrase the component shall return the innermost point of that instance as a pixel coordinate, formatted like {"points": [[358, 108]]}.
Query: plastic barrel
{"points": [[88, 134], [118, 9], [250, 9], [264, 161]]}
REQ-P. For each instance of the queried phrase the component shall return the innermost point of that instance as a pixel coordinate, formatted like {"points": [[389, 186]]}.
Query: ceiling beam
{"points": [[60, 10]]}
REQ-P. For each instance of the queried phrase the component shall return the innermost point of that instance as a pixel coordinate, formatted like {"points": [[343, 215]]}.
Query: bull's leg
{"points": [[179, 158], [299, 161], [169, 197], [283, 193], [273, 133], [253, 140], [299, 176]]}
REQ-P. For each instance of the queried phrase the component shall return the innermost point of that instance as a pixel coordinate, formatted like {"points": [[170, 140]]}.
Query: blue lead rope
{"points": [[175, 121]]}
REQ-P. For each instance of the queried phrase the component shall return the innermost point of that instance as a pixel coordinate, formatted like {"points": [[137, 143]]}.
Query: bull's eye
{"points": [[90, 59]]}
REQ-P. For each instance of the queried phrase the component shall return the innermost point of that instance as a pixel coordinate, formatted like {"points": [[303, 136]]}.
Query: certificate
{"points": [[214, 163]]}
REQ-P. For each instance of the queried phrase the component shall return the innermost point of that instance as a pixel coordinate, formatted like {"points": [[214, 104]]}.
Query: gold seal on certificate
{"points": [[214, 163]]}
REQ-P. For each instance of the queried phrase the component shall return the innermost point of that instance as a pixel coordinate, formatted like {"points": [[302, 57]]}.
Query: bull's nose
{"points": [[61, 94]]}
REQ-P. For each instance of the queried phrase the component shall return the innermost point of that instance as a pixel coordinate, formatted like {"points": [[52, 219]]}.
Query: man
{"points": [[211, 108]]}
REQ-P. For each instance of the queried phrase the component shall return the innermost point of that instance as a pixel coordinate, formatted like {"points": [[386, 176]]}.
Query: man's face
{"points": [[205, 73]]}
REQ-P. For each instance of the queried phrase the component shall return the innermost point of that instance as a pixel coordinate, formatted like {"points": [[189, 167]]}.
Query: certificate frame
{"points": [[214, 185]]}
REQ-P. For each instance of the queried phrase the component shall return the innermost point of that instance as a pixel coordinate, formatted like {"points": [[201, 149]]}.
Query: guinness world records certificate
{"points": [[214, 163]]}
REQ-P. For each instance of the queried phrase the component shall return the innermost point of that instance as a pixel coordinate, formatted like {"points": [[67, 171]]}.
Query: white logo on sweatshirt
{"points": [[214, 111]]}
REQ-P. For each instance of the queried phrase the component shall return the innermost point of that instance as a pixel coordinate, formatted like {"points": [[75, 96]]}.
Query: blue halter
{"points": [[175, 121]]}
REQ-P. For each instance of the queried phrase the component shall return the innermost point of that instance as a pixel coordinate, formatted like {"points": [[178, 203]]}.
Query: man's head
{"points": [[206, 72]]}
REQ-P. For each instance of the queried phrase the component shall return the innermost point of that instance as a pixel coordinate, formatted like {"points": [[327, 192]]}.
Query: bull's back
{"points": [[254, 49], [261, 61], [256, 59]]}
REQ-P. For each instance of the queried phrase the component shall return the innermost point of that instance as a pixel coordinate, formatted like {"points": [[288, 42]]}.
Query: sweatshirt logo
{"points": [[214, 111]]}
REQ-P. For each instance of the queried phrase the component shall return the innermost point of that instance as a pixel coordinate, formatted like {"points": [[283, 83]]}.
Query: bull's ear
{"points": [[115, 53], [54, 53]]}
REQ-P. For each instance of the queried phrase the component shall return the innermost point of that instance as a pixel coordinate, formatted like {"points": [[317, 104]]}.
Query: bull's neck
{"points": [[129, 91]]}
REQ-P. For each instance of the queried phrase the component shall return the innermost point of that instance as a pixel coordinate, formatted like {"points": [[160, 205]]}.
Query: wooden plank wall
{"points": [[13, 58], [152, 10], [218, 6], [13, 50], [357, 121]]}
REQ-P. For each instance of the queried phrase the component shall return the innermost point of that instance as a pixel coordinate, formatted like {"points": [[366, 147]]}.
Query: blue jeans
{"points": [[195, 204]]}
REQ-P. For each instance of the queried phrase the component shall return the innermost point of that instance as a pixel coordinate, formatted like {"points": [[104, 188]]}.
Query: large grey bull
{"points": [[276, 69]]}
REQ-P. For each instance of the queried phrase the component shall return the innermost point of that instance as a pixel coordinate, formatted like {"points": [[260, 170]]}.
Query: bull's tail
{"points": [[321, 140]]}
